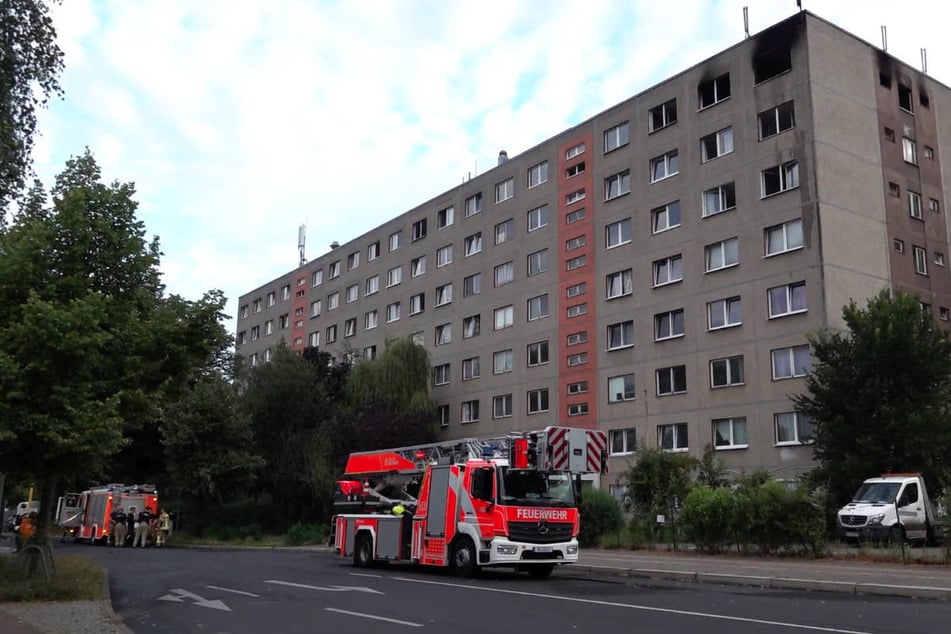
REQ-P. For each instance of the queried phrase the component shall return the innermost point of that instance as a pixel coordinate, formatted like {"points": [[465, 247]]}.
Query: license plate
{"points": [[851, 533], [543, 549]]}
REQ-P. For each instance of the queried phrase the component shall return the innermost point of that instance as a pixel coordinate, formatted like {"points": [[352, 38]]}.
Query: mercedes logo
{"points": [[543, 527]]}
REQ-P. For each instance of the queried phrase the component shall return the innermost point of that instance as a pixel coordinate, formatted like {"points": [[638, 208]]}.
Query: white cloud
{"points": [[238, 125]]}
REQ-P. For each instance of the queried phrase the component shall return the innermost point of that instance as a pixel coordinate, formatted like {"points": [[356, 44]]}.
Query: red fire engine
{"points": [[86, 515], [471, 503]]}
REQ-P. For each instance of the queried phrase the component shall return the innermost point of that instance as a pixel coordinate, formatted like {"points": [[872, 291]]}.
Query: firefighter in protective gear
{"points": [[398, 510]]}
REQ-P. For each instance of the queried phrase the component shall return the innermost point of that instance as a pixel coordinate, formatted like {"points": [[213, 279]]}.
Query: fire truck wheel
{"points": [[462, 563], [540, 571], [363, 551]]}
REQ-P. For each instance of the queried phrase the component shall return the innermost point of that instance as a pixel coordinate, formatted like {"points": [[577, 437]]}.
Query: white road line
{"points": [[360, 574], [646, 608], [247, 594], [374, 617]]}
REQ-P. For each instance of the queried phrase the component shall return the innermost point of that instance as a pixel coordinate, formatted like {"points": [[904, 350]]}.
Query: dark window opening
{"points": [[770, 64], [904, 98], [885, 80], [924, 100], [714, 91]]}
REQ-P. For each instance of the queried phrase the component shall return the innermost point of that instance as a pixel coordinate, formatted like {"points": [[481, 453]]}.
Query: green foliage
{"points": [[774, 516], [399, 376], [77, 579], [299, 534], [600, 515], [233, 532], [29, 75], [711, 470], [879, 395], [659, 480], [708, 516]]}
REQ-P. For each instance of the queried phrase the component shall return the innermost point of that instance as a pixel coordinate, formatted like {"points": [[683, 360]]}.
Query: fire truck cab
{"points": [[472, 503]]}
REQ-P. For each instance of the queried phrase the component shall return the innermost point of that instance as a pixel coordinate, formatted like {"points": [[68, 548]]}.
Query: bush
{"points": [[773, 516], [228, 532], [307, 534], [708, 515], [600, 515]]}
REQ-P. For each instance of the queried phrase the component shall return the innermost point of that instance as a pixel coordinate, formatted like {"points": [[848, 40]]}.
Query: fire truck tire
{"points": [[540, 571], [363, 551], [462, 562]]}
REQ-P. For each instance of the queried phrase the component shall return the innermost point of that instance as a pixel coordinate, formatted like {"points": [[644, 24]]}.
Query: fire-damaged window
{"points": [[904, 98], [771, 63]]}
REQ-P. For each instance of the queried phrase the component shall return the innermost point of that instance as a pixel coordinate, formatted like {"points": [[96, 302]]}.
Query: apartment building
{"points": [[654, 270]]}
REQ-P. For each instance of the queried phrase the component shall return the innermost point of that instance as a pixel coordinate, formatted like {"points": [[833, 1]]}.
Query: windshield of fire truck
{"points": [[536, 488]]}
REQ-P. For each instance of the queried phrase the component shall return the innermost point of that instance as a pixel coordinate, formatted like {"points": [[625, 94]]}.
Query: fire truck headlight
{"points": [[571, 550], [504, 549]]}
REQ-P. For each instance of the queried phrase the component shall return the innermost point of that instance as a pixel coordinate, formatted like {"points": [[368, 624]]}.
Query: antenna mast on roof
{"points": [[746, 22], [301, 236], [884, 38], [924, 61]]}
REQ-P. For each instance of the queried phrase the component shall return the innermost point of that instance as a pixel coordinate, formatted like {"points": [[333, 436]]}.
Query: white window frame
{"points": [[665, 217], [920, 260], [576, 290], [617, 185], [617, 136], [538, 174], [373, 251], [420, 229], [580, 387], [788, 235], [505, 231], [618, 233], [502, 406], [713, 307], [576, 263], [471, 326], [668, 115], [797, 359], [353, 261], [537, 218], [394, 276], [417, 303], [395, 241], [470, 369], [444, 294], [619, 284], [473, 204], [724, 195], [799, 426], [672, 373], [445, 217], [666, 325], [472, 284], [620, 335], [538, 401], [317, 277], [503, 317], [444, 256], [503, 273], [504, 190], [537, 307], [470, 412], [392, 312], [670, 161], [731, 426], [788, 175], [577, 409], [353, 293], [350, 327], [537, 354], [442, 334], [315, 307], [372, 285], [673, 264], [473, 244], [371, 320], [778, 116], [731, 366], [575, 196], [627, 444], [334, 270], [503, 361], [537, 262], [418, 266], [909, 150], [721, 91], [577, 310], [914, 205], [580, 358], [618, 391], [715, 145], [333, 300], [724, 254], [782, 300], [679, 437]]}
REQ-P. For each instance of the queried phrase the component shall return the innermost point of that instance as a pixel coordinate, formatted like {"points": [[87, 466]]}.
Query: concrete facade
{"points": [[654, 271]]}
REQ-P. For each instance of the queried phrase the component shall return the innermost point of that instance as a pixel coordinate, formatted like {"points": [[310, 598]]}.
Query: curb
{"points": [[105, 604], [783, 583]]}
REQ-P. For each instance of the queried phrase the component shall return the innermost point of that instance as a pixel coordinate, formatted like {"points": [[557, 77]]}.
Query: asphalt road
{"points": [[190, 590]]}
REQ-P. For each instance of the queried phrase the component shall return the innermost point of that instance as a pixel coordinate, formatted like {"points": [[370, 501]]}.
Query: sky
{"points": [[240, 121]]}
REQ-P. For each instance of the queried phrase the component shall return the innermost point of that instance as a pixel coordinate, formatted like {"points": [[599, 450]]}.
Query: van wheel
{"points": [[540, 571], [363, 551], [462, 561]]}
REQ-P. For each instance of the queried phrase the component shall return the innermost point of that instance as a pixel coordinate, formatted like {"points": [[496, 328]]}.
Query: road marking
{"points": [[178, 595], [325, 588], [646, 608], [247, 594], [374, 617], [362, 574]]}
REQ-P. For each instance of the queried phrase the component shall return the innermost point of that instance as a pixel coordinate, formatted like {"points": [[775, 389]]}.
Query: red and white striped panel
{"points": [[560, 448], [597, 444]]}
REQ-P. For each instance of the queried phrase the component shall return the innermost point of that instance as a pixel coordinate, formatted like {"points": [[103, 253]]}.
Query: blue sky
{"points": [[237, 126]]}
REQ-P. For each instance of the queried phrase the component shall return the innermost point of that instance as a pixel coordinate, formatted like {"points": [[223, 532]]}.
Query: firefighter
{"points": [[164, 526], [119, 529], [398, 509]]}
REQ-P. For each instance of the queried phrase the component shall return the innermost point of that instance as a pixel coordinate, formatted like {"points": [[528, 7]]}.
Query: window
{"points": [[577, 338], [726, 372], [622, 441], [505, 231], [577, 409], [504, 273], [269, 327], [784, 237], [929, 152], [255, 332], [714, 91], [573, 151], [444, 415], [315, 308], [395, 240], [257, 305], [719, 199], [787, 300], [470, 368], [909, 150], [939, 258], [353, 293], [243, 312], [577, 289], [350, 327], [394, 276], [618, 233], [317, 278], [314, 339], [285, 292], [369, 352], [574, 197], [417, 304], [793, 428], [537, 353], [443, 334], [333, 301], [253, 359], [419, 338], [538, 174], [444, 217], [574, 170], [921, 261], [904, 98], [418, 266], [716, 145], [617, 185], [944, 314], [776, 120], [621, 388], [665, 166], [538, 218], [668, 270], [504, 190], [576, 263], [933, 205], [473, 204], [672, 380], [771, 64], [662, 116], [914, 204], [780, 178], [502, 406], [730, 433], [372, 285], [470, 412], [894, 189], [504, 317], [444, 294], [444, 256], [471, 326], [924, 100], [619, 284], [538, 262], [419, 229], [621, 335], [576, 242], [888, 133], [580, 358], [537, 401], [473, 244], [581, 387], [721, 255], [502, 361], [472, 285], [575, 216], [371, 320], [672, 437], [618, 136], [666, 217], [791, 362], [538, 307], [724, 313], [271, 299], [577, 310], [373, 251], [392, 312], [353, 260], [669, 325]]}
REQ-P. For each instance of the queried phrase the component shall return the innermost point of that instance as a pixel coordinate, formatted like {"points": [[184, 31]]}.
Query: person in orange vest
{"points": [[26, 531]]}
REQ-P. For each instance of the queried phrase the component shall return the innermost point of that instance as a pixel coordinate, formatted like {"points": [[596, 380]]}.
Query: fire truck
{"points": [[85, 515], [506, 501]]}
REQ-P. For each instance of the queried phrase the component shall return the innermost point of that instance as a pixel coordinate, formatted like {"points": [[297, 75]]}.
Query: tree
{"points": [[30, 65], [879, 395]]}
